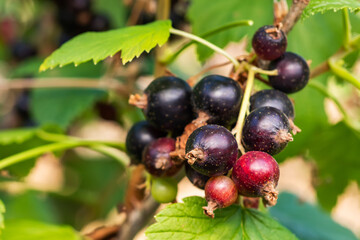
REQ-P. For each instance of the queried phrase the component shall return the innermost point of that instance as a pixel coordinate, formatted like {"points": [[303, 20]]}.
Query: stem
{"points": [[261, 71], [322, 89], [343, 73], [171, 57], [244, 107], [206, 43], [347, 29], [294, 14]]}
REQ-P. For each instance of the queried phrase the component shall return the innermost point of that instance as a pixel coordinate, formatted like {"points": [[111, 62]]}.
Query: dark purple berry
{"points": [[99, 23], [22, 50], [272, 98], [266, 129], [211, 150], [139, 136], [219, 97], [157, 160], [293, 73], [169, 104], [220, 192], [199, 180], [269, 42], [256, 174]]}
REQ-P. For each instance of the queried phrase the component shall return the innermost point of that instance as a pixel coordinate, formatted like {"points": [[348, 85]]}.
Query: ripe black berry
{"points": [[199, 180], [293, 73], [169, 103], [256, 174], [219, 97], [266, 129], [140, 135], [157, 160], [211, 150], [220, 192], [22, 50], [272, 98], [269, 42]]}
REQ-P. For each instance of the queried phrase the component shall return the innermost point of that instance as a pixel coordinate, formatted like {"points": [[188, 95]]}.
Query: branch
{"points": [[294, 14]]}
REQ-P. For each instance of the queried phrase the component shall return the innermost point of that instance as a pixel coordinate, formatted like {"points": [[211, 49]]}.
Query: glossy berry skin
{"points": [[269, 43], [157, 160], [169, 103], [211, 150], [266, 129], [164, 190], [272, 98], [199, 180], [255, 172], [139, 136], [293, 73], [220, 97], [220, 192]]}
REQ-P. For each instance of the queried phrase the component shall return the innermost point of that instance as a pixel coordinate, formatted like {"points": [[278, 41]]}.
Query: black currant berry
{"points": [[272, 98], [139, 136], [256, 174], [266, 129], [169, 103], [220, 192], [211, 150], [199, 180], [22, 50], [219, 97], [269, 42], [293, 73], [157, 160]]}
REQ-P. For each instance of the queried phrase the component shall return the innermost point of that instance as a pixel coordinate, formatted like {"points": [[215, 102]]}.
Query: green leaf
{"points": [[2, 211], [33, 230], [306, 221], [62, 106], [335, 146], [321, 6], [187, 221], [96, 46], [16, 136]]}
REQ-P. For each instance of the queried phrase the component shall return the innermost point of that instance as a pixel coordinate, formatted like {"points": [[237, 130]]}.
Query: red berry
{"points": [[256, 174], [157, 160], [220, 192]]}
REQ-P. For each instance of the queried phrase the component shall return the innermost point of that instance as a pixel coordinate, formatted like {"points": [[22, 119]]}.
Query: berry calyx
{"points": [[219, 97], [269, 42], [293, 73], [266, 129], [138, 137], [157, 160], [197, 179], [256, 174], [211, 150], [164, 190], [220, 192]]}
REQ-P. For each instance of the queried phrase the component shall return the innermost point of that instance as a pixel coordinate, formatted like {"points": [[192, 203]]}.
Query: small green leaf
{"points": [[306, 221], [321, 6], [16, 136], [96, 46], [33, 230], [187, 221], [62, 106]]}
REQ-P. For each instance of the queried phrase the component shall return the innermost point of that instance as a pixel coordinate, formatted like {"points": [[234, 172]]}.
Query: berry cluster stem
{"points": [[244, 107]]}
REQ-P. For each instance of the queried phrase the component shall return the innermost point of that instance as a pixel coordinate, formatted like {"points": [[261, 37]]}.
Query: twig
{"points": [[320, 69], [294, 14], [104, 232]]}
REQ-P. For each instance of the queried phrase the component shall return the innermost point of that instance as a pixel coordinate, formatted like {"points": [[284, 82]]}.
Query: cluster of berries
{"points": [[189, 127]]}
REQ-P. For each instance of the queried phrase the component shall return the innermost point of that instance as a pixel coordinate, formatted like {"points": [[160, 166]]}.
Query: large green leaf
{"points": [[336, 151], [62, 106], [187, 221], [321, 6], [33, 230], [96, 46], [306, 221]]}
